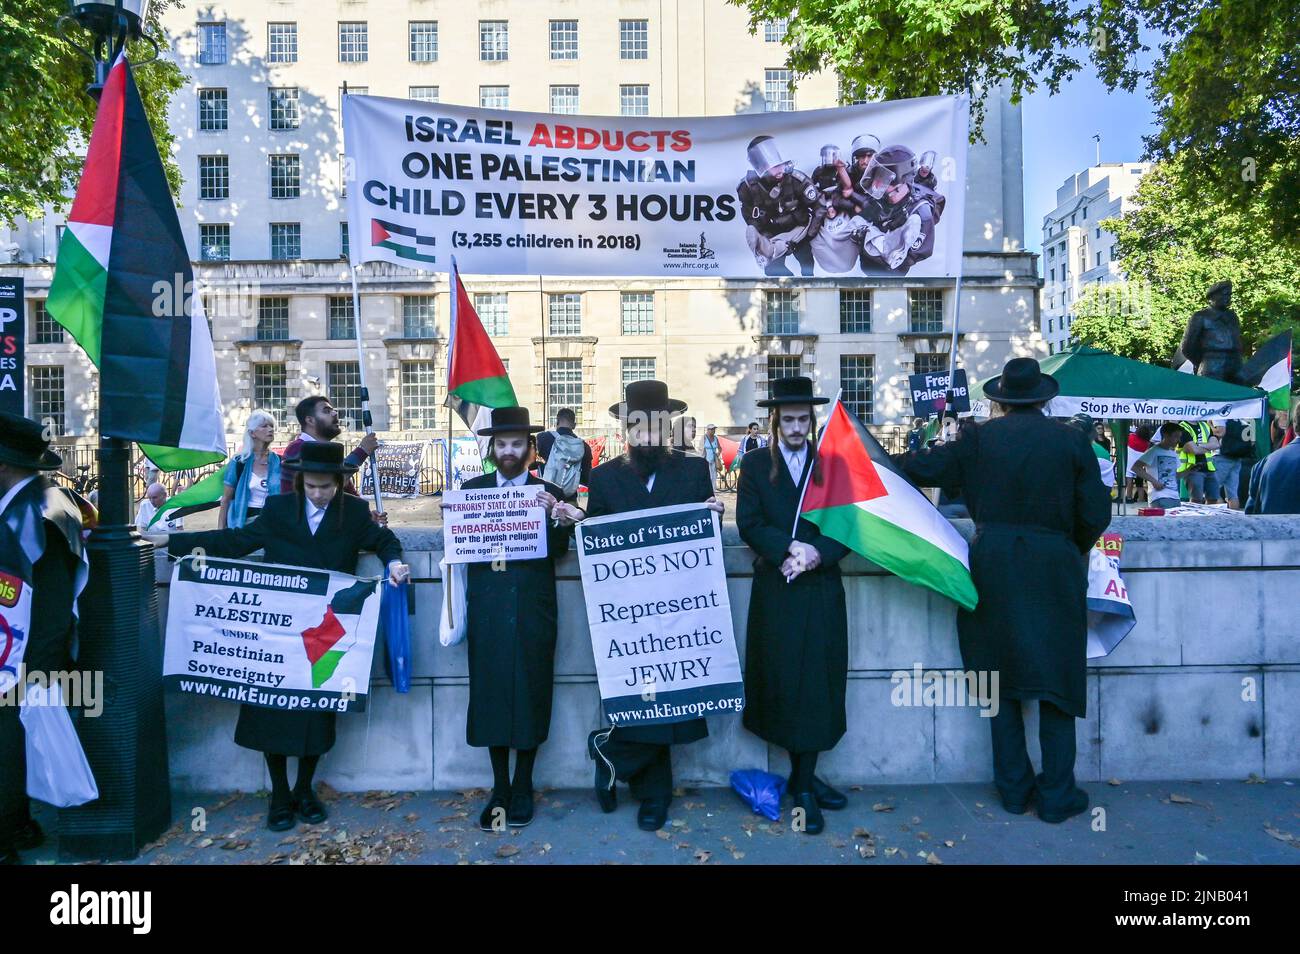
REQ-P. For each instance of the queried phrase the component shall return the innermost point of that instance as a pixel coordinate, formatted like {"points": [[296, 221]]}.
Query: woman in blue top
{"points": [[251, 475]]}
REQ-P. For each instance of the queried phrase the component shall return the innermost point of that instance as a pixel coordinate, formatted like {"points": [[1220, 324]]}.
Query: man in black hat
{"points": [[40, 547], [797, 643], [650, 474], [1035, 493], [317, 526], [510, 630]]}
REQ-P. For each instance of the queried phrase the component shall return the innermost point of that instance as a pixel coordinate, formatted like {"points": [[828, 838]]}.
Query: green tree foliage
{"points": [[47, 116], [1225, 80], [1172, 248]]}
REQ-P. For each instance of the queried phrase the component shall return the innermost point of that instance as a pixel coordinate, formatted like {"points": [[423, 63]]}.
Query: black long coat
{"points": [[281, 532], [797, 647], [510, 628], [615, 488], [1036, 496]]}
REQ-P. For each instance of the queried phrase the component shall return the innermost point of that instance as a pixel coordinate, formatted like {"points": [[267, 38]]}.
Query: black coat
{"points": [[510, 628], [281, 532], [797, 647], [1036, 496], [615, 488], [1275, 482]]}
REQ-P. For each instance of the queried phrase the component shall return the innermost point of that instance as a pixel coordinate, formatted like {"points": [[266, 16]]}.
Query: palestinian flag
{"points": [[731, 454], [123, 243], [476, 378], [200, 496], [1270, 368], [329, 640], [868, 506], [403, 241]]}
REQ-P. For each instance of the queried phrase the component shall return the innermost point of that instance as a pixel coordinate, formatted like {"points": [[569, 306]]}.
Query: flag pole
{"points": [[794, 531], [950, 396], [366, 420], [451, 342]]}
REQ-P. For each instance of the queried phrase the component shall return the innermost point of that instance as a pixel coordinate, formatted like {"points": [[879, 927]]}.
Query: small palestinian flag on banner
{"points": [[124, 288], [329, 640], [867, 505], [1270, 368], [476, 377], [403, 240]]}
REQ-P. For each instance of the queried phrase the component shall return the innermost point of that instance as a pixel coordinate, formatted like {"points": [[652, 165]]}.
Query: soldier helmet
{"points": [[866, 143], [899, 160], [830, 154], [763, 154]]}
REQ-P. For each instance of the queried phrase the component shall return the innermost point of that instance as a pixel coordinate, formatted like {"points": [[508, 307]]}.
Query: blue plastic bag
{"points": [[760, 790], [397, 634]]}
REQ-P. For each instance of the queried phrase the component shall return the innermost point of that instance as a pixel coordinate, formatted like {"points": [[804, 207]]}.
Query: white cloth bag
{"points": [[453, 625], [57, 771]]}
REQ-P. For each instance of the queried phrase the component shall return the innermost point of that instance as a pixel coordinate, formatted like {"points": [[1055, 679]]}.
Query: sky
{"points": [[1058, 140]]}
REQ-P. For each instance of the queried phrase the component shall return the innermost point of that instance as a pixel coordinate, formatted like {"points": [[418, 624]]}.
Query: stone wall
{"points": [[1206, 685]]}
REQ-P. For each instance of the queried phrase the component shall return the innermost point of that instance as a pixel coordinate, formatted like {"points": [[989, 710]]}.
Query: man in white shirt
{"points": [[154, 498]]}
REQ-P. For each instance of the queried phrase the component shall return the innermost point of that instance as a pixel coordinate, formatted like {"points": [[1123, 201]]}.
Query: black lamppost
{"points": [[119, 637]]}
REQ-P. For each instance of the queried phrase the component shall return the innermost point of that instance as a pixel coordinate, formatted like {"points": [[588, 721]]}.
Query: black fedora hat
{"points": [[1021, 382], [320, 457], [646, 397], [505, 419], [797, 390], [23, 443]]}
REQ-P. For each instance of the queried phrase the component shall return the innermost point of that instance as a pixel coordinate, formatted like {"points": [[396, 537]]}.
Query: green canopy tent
{"points": [[1108, 387]]}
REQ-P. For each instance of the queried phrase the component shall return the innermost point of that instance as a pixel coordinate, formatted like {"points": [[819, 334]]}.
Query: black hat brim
{"points": [[508, 428], [776, 402], [620, 410], [47, 461], [1048, 388]]}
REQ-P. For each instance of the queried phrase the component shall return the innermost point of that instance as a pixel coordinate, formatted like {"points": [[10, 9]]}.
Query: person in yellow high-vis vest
{"points": [[1196, 456]]}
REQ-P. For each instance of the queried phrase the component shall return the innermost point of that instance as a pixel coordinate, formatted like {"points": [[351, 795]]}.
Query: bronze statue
{"points": [[1212, 341]]}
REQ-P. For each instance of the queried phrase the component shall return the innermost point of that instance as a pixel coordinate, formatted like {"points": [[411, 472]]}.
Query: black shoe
{"points": [[29, 837], [310, 809], [487, 819], [606, 796], [282, 817], [813, 821], [653, 814], [1020, 807], [827, 797], [1077, 805], [520, 812]]}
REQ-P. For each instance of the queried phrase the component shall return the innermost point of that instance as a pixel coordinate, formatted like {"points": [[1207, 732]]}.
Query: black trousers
{"points": [[15, 809], [1013, 773], [646, 766]]}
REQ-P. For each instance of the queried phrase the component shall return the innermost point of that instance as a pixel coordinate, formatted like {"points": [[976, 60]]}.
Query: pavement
{"points": [[1166, 823]]}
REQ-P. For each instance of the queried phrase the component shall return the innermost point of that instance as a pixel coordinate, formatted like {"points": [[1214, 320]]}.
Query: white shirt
{"points": [[304, 436], [794, 461], [257, 490], [315, 515], [503, 481], [146, 513], [650, 482]]}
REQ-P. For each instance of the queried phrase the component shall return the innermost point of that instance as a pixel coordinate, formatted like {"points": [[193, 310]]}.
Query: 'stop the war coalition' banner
{"points": [[876, 189]]}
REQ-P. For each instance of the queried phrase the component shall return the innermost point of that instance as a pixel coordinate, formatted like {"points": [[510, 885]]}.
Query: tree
{"points": [[1225, 81], [47, 114], [1172, 249]]}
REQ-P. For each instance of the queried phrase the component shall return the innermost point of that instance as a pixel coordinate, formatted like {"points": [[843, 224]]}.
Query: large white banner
{"points": [[280, 637], [656, 597], [875, 189]]}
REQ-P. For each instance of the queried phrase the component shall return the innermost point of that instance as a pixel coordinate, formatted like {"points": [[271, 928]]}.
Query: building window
{"points": [[780, 312], [47, 397], [424, 41], [564, 39], [637, 369], [925, 309], [564, 100], [851, 94], [634, 100], [930, 362], [354, 42], [1099, 259], [270, 390], [45, 330], [634, 39], [565, 312], [638, 313], [419, 396], [286, 241], [273, 319], [1051, 325], [1085, 213], [344, 249], [351, 91], [342, 320], [214, 243], [212, 44], [781, 366], [857, 379], [493, 40], [214, 177], [418, 315], [564, 386], [283, 107], [214, 110], [1052, 274], [855, 311], [494, 97], [774, 31], [425, 94], [1051, 253], [282, 43], [493, 311], [343, 385], [778, 97], [286, 176]]}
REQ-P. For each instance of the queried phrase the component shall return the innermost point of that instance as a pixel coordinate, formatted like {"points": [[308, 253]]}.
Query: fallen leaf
{"points": [[1283, 836], [890, 852], [737, 855], [663, 834], [882, 807], [1180, 799], [1201, 857], [933, 859], [507, 850], [1254, 779], [867, 849], [979, 804], [950, 844], [412, 817], [861, 833], [702, 856], [923, 835], [1115, 781], [205, 843], [916, 819]]}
